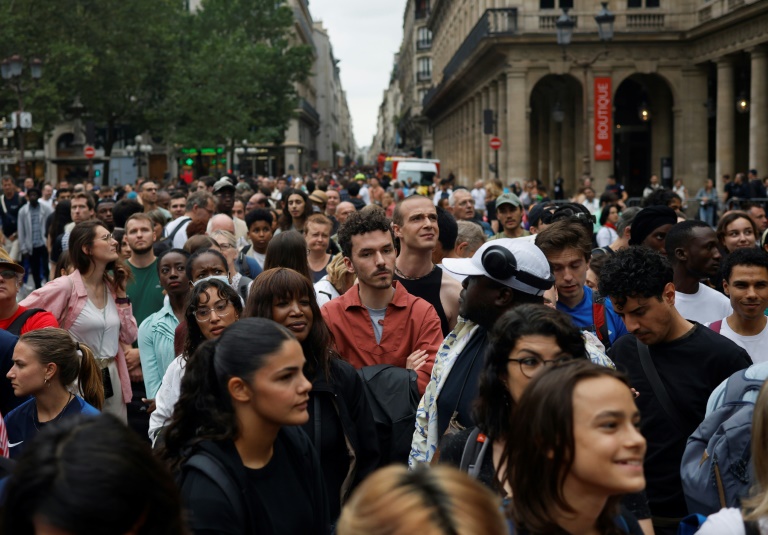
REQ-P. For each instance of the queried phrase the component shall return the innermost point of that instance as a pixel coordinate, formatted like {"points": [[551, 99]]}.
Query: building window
{"points": [[422, 95], [424, 69], [424, 38], [643, 3], [422, 9], [552, 4]]}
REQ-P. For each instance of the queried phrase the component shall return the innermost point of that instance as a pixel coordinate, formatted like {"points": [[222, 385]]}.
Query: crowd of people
{"points": [[341, 353]]}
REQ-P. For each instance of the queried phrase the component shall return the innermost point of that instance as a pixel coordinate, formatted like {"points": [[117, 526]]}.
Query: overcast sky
{"points": [[365, 36]]}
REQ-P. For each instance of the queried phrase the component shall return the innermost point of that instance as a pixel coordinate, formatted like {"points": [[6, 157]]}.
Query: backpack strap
{"points": [[716, 325], [178, 227], [17, 324], [737, 386], [657, 386], [211, 467], [242, 263], [600, 319], [474, 453]]}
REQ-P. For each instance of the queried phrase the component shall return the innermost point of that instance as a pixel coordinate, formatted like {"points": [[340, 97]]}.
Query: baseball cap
{"points": [[222, 184], [531, 273], [7, 263], [508, 198], [359, 176]]}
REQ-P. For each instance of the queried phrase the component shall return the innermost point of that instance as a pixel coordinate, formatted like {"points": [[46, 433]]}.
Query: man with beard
{"points": [[692, 249], [502, 274], [146, 294], [377, 321]]}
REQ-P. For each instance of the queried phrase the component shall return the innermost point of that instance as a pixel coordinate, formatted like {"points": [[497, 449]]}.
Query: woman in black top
{"points": [[245, 467], [524, 341], [340, 425]]}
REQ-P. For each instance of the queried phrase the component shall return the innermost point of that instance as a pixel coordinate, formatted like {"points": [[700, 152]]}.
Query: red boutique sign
{"points": [[603, 119]]}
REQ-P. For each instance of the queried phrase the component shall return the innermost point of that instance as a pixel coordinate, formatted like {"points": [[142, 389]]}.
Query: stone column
{"points": [[726, 110], [568, 157], [542, 106], [477, 171], [555, 148], [501, 105], [758, 111], [518, 127], [690, 130], [494, 105], [483, 137]]}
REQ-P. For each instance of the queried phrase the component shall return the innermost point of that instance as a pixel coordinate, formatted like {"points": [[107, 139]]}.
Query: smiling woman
{"points": [[91, 303]]}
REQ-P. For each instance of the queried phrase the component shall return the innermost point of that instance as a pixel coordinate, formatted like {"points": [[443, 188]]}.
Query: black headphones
{"points": [[501, 264]]}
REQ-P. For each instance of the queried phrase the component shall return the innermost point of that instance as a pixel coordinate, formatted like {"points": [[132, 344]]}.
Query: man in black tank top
{"points": [[415, 225]]}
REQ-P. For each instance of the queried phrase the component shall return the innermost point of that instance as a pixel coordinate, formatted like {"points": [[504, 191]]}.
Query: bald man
{"points": [[257, 200]]}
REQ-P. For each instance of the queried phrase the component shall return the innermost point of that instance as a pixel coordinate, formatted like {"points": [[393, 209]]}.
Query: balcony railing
{"points": [[645, 21], [423, 76], [493, 23], [547, 22], [423, 44]]}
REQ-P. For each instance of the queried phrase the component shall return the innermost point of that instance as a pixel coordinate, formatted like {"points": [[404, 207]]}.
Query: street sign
{"points": [[495, 143], [89, 152]]}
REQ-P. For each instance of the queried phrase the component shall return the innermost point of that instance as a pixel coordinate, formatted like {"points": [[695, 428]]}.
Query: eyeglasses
{"points": [[226, 246], [107, 238], [530, 366], [8, 274], [220, 307]]}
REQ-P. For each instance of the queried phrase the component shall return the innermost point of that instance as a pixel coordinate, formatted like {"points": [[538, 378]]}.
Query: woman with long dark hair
{"points": [[213, 306], [239, 407], [580, 450], [288, 250], [296, 209], [92, 305], [341, 425]]}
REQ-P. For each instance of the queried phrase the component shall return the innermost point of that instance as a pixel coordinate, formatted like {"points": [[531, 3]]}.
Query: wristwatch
{"points": [[123, 300]]}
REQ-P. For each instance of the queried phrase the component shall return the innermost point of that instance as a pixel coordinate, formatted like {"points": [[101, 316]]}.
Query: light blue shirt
{"points": [[156, 346]]}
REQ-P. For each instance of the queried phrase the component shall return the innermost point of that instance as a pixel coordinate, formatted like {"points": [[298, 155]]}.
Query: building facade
{"points": [[387, 138], [335, 143], [415, 78], [659, 98]]}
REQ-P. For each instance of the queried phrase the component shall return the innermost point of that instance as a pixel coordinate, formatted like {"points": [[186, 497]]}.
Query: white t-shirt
{"points": [[478, 195], [324, 291], [180, 238], [257, 256], [593, 205], [705, 306], [756, 346], [99, 329], [606, 236], [728, 522]]}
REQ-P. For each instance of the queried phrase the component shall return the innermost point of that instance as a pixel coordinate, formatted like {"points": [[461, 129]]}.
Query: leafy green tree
{"points": [[237, 74]]}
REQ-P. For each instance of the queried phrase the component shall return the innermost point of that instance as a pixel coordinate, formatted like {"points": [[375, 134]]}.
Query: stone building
{"points": [[659, 98], [386, 138], [335, 142], [415, 78]]}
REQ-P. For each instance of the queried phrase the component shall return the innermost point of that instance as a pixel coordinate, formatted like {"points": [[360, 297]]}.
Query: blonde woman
{"points": [[336, 282], [753, 515], [493, 189], [428, 501]]}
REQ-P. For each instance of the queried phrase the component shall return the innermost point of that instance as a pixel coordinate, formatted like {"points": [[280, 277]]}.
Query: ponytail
{"points": [[90, 378], [204, 410]]}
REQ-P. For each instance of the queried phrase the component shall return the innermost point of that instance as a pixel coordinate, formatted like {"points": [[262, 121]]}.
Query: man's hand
{"points": [[150, 403], [416, 359]]}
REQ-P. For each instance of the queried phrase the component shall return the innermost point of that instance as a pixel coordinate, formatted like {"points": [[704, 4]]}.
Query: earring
{"points": [[46, 382]]}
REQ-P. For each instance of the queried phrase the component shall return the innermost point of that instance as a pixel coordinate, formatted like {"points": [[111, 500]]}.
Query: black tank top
{"points": [[428, 288]]}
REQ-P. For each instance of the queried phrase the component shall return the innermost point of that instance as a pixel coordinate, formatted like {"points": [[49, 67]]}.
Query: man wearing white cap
{"points": [[502, 274]]}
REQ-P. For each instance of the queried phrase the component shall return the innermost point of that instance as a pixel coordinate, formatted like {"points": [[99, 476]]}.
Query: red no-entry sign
{"points": [[495, 143], [89, 152]]}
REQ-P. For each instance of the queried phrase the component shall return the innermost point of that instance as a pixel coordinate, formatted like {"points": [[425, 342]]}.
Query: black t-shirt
{"points": [[464, 373], [690, 368], [10, 213], [280, 495]]}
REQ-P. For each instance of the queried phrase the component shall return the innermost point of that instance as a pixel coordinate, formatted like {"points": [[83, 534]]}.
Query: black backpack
{"points": [[394, 397], [166, 244], [17, 324]]}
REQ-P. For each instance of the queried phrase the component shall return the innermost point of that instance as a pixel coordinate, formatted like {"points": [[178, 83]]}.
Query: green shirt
{"points": [[145, 291]]}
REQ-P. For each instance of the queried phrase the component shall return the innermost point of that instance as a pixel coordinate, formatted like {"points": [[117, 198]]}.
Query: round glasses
{"points": [[221, 308], [530, 366]]}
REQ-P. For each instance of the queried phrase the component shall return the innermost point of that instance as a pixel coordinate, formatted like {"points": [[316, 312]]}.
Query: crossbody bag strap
{"points": [[657, 386], [178, 227]]}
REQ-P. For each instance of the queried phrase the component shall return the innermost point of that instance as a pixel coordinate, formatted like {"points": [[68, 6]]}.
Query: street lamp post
{"points": [[11, 70], [137, 150], [564, 26]]}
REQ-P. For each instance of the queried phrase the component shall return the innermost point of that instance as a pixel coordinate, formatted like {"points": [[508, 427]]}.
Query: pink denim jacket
{"points": [[65, 298]]}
